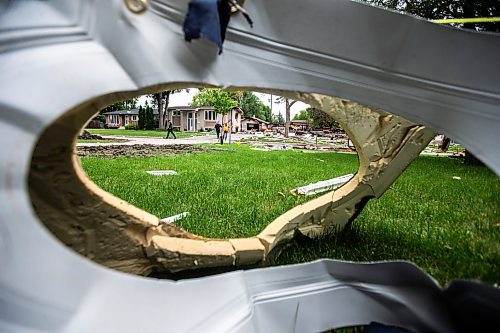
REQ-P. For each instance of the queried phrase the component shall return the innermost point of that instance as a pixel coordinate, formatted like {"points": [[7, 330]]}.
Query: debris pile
{"points": [[85, 135], [136, 150], [313, 140]]}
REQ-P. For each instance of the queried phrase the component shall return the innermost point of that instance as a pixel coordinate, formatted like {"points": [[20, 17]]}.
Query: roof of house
{"points": [[190, 108], [128, 112], [300, 121], [155, 110], [258, 120]]}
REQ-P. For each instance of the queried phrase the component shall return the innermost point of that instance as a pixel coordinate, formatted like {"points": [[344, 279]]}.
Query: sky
{"points": [[183, 99]]}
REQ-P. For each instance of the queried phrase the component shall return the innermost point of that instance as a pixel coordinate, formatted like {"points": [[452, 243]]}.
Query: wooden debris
{"points": [[162, 172], [322, 186], [174, 218]]}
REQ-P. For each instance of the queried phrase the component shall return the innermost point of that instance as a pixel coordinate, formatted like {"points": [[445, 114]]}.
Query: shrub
{"points": [[134, 127]]}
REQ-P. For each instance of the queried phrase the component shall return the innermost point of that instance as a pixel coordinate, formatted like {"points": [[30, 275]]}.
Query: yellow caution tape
{"points": [[468, 20]]}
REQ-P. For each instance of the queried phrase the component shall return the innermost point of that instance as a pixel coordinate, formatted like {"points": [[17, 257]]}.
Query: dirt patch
{"points": [[87, 136], [144, 150]]}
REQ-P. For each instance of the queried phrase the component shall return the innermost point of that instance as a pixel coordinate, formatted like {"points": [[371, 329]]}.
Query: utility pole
{"points": [[231, 124], [271, 108]]}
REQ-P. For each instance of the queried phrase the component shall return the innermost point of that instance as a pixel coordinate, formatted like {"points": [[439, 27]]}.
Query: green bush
{"points": [[100, 117], [134, 127]]}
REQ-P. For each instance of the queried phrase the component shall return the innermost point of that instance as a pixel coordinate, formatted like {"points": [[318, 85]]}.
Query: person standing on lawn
{"points": [[217, 129], [170, 129], [226, 130]]}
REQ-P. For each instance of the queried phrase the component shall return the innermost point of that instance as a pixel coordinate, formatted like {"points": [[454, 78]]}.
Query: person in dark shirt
{"points": [[170, 129], [217, 129]]}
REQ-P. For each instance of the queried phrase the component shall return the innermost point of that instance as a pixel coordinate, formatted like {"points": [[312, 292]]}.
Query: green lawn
{"points": [[448, 227], [152, 133]]}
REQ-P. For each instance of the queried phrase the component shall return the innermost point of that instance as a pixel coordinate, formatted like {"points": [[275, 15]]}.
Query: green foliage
{"points": [[123, 105], [100, 117], [266, 113], [441, 9], [142, 118], [303, 115], [252, 106], [149, 122], [277, 119], [134, 127], [320, 119], [220, 100]]}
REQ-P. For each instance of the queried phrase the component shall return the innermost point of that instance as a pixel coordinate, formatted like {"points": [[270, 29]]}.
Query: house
{"points": [[299, 125], [254, 124], [121, 118], [192, 119], [184, 118], [234, 118]]}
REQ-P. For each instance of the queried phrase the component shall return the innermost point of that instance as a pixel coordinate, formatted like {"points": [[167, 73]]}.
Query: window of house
{"points": [[210, 115], [134, 118], [113, 119], [176, 113]]}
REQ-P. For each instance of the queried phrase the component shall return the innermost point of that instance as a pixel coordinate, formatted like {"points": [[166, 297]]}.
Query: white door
{"points": [[190, 122]]}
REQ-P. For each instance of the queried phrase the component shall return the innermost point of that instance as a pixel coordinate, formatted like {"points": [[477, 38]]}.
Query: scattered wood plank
{"points": [[162, 172], [174, 218], [322, 186]]}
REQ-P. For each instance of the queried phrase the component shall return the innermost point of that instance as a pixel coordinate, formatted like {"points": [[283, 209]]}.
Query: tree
{"points": [[122, 105], [161, 101], [442, 9], [288, 105], [267, 114], [252, 106], [149, 122], [277, 119], [220, 100], [321, 119], [142, 116], [303, 115]]}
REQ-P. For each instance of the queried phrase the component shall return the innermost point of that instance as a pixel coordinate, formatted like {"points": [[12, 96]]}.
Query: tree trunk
{"points": [[161, 122], [288, 106], [167, 115], [445, 144]]}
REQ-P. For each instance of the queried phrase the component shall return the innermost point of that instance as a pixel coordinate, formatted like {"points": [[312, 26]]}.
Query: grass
{"points": [[235, 193], [152, 133], [448, 227], [453, 148]]}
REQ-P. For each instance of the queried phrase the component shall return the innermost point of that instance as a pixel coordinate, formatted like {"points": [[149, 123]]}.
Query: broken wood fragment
{"points": [[174, 218], [322, 186]]}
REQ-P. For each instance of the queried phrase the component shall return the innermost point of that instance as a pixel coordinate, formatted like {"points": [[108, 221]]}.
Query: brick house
{"points": [[184, 118]]}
